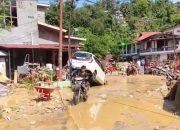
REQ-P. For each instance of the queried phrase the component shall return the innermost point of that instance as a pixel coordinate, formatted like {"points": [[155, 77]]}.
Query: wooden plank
{"points": [[15, 77]]}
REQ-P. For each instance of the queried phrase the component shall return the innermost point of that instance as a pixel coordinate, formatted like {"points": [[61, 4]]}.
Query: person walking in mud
{"points": [[110, 68]]}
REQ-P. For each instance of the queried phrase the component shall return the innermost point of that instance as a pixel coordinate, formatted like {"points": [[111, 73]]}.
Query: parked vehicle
{"points": [[171, 76], [160, 70], [79, 84], [93, 65]]}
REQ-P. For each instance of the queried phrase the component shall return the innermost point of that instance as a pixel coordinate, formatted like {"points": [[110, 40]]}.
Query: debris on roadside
{"points": [[36, 75], [3, 78], [5, 113], [4, 90]]}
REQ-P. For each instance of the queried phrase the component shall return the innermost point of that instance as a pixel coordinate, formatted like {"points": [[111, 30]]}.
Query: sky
{"points": [[80, 3]]}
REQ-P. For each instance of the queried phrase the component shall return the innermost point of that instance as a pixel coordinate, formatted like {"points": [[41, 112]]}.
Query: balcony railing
{"points": [[129, 52], [156, 49]]}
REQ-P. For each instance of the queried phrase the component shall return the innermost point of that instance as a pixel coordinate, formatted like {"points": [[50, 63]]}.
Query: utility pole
{"points": [[69, 32], [60, 38]]}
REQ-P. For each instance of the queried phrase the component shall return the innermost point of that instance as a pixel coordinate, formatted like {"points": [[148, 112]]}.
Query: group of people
{"points": [[132, 68]]}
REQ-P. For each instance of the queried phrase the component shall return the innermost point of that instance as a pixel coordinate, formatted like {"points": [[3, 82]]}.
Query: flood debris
{"points": [[33, 111], [36, 75], [5, 113], [3, 78], [4, 90]]}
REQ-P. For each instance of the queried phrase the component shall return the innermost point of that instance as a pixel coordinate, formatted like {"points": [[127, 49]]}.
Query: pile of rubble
{"points": [[30, 106], [36, 75]]}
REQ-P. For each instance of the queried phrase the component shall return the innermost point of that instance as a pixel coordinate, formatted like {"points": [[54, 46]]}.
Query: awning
{"points": [[41, 46]]}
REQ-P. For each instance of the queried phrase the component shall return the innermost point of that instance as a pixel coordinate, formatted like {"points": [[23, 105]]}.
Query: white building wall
{"points": [[163, 57], [177, 30], [41, 12], [3, 66]]}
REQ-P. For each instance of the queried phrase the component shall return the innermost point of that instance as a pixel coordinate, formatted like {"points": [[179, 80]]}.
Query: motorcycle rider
{"points": [[85, 75]]}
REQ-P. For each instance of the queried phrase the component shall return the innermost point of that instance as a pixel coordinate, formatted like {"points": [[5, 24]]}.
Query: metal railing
{"points": [[129, 52], [156, 49]]}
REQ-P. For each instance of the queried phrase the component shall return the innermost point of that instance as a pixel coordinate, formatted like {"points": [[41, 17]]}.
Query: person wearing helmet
{"points": [[84, 74]]}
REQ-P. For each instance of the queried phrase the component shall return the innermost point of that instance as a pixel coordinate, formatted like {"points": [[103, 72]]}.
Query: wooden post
{"points": [[15, 77], [60, 37]]}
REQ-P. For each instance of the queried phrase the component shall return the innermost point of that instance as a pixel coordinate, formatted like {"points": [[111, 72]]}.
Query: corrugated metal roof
{"points": [[41, 46], [44, 5], [50, 26], [2, 53], [146, 35], [75, 38]]}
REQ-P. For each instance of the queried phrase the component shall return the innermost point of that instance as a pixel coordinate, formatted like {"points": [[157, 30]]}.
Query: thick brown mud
{"points": [[126, 103]]}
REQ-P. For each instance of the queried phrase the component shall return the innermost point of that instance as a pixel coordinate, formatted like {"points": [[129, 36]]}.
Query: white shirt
{"points": [[139, 63]]}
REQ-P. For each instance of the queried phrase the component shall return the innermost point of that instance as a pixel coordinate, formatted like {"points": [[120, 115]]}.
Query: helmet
{"points": [[83, 67]]}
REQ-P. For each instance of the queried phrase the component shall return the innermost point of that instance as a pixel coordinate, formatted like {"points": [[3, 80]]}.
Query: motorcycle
{"points": [[80, 84], [169, 78]]}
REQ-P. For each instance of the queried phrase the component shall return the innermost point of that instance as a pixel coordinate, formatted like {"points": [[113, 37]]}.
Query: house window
{"points": [[148, 45], [8, 13]]}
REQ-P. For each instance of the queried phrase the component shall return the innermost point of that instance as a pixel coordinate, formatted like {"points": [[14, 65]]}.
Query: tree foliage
{"points": [[4, 11], [98, 24]]}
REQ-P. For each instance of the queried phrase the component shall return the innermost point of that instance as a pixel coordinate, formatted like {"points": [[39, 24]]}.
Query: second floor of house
{"points": [[157, 42], [158, 45], [153, 42]]}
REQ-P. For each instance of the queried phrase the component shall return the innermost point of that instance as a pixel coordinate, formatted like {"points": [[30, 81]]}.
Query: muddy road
{"points": [[126, 103]]}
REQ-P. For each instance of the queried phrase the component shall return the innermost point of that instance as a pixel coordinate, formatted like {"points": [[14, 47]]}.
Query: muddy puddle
{"points": [[115, 113], [116, 107]]}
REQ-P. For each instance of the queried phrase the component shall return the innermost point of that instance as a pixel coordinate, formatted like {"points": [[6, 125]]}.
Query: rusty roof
{"points": [[145, 35]]}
